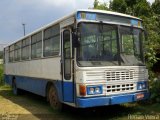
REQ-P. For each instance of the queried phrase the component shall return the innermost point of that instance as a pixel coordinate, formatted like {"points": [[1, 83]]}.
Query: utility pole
{"points": [[24, 29]]}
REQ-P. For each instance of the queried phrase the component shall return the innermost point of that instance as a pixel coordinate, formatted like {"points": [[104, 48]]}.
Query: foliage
{"points": [[118, 5], [142, 8], [1, 54], [150, 14], [1, 69], [155, 90], [1, 75], [151, 23], [134, 7], [100, 6], [152, 26], [156, 7]]}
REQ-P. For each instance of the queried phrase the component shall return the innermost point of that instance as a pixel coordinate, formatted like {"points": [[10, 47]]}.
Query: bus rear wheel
{"points": [[53, 99], [14, 88]]}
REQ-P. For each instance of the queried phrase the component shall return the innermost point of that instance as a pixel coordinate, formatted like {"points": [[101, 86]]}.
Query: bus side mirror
{"points": [[75, 41]]}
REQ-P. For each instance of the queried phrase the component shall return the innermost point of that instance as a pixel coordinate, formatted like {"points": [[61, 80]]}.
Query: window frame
{"points": [[35, 42], [11, 51], [51, 35], [67, 57], [25, 45]]}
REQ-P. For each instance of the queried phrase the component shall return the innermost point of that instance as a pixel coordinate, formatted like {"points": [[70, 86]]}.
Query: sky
{"points": [[34, 14]]}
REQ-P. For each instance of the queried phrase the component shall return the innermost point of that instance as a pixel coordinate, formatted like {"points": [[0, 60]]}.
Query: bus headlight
{"points": [[94, 90], [142, 85]]}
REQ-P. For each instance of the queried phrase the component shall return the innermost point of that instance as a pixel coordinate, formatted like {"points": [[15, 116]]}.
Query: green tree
{"points": [[131, 3], [1, 75], [100, 6], [133, 7], [1, 54], [118, 6], [96, 2], [142, 8], [152, 27], [130, 6], [156, 7]]}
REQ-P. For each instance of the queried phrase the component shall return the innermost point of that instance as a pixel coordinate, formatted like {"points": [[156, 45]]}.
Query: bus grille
{"points": [[119, 75], [115, 75], [120, 88]]}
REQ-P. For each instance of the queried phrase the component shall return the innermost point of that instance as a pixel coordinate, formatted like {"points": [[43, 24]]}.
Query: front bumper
{"points": [[110, 100]]}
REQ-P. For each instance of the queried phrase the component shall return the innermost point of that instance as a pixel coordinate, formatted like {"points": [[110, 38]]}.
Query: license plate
{"points": [[140, 96]]}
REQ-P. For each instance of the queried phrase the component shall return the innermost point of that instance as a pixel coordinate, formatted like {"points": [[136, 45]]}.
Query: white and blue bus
{"points": [[86, 59]]}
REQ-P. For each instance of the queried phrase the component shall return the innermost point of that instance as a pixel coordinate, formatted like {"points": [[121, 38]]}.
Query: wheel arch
{"points": [[58, 88]]}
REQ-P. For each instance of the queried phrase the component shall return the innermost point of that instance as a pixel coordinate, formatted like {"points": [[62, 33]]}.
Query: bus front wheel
{"points": [[53, 98]]}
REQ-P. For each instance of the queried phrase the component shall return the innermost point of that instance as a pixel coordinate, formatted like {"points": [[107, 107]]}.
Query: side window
{"points": [[11, 53], [17, 51], [36, 45], [25, 49], [6, 55], [51, 41], [67, 54]]}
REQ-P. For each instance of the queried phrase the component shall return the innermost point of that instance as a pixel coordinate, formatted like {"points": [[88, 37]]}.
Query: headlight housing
{"points": [[94, 90], [142, 85]]}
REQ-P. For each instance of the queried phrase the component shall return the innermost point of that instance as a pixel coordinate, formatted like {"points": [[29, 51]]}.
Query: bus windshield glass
{"points": [[100, 46], [131, 45]]}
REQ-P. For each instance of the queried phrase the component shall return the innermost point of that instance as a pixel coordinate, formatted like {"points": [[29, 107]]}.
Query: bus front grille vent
{"points": [[115, 75], [120, 88], [119, 75]]}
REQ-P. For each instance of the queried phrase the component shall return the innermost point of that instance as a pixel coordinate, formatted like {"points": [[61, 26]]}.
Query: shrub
{"points": [[155, 89], [1, 75]]}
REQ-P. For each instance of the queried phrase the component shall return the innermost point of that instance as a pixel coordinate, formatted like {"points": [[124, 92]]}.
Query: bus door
{"points": [[66, 62]]}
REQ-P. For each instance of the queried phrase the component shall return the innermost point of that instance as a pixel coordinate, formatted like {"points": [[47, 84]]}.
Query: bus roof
{"points": [[72, 14], [108, 12]]}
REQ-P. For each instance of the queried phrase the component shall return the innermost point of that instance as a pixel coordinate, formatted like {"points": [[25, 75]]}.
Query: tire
{"points": [[15, 90], [53, 99]]}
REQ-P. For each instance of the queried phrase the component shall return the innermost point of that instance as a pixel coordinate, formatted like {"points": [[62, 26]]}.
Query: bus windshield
{"points": [[100, 46]]}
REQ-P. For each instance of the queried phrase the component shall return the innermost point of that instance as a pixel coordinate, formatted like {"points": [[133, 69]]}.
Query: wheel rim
{"points": [[53, 99]]}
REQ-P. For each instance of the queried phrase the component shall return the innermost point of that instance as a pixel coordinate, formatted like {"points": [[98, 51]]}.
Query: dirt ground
{"points": [[32, 107], [27, 105]]}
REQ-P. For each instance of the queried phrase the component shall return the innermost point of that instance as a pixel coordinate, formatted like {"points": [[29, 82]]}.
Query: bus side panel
{"points": [[37, 86], [48, 69], [34, 85], [68, 92]]}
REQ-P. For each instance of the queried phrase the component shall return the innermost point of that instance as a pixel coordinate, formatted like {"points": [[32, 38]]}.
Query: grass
{"points": [[143, 110], [5, 87], [36, 106]]}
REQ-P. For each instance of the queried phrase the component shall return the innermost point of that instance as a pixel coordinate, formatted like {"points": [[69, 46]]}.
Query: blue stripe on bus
{"points": [[68, 91], [38, 86], [34, 85], [112, 100]]}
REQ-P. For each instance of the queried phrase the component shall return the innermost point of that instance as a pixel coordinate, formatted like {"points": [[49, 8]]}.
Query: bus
{"points": [[89, 58]]}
